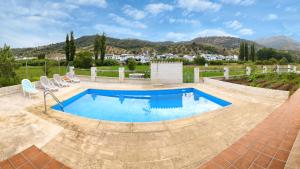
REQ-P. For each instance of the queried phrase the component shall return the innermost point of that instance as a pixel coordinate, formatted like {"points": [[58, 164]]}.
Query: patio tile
{"points": [[17, 160], [282, 155], [31, 158], [263, 160], [270, 142], [276, 164], [5, 165]]}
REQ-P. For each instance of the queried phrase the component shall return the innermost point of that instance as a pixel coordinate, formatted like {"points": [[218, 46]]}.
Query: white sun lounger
{"points": [[72, 77], [47, 84], [59, 81], [28, 87]]}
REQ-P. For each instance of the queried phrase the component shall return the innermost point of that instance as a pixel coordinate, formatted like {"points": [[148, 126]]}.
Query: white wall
{"points": [[167, 72]]}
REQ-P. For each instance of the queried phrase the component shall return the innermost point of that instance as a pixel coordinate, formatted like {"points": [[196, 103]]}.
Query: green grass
{"points": [[34, 72]]}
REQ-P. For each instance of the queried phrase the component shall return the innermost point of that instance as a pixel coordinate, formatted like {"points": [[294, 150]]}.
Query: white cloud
{"points": [[184, 21], [234, 25], [199, 5], [175, 36], [134, 13], [157, 8], [239, 2], [124, 22], [272, 17], [246, 31], [34, 24], [98, 3], [214, 32], [116, 31]]}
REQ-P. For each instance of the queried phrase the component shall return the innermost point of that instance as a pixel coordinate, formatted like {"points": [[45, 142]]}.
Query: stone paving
{"points": [[85, 143]]}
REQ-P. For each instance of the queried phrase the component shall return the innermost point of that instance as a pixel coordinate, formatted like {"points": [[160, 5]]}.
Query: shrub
{"points": [[107, 62], [283, 61], [131, 63], [216, 62], [273, 61], [199, 60], [83, 59]]}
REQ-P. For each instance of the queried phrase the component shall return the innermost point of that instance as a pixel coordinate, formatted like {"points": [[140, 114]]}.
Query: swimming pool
{"points": [[141, 105]]}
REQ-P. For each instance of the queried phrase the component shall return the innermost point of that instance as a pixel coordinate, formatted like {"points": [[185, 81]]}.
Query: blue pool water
{"points": [[141, 105]]}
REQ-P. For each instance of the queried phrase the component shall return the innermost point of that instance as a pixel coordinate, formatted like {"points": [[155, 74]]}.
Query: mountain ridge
{"points": [[280, 42], [215, 44]]}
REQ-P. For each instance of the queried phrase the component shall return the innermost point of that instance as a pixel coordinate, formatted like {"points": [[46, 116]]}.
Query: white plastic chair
{"points": [[72, 77], [48, 84], [59, 81], [28, 87]]}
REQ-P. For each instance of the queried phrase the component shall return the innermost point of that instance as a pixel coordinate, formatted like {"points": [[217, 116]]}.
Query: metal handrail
{"points": [[46, 92]]}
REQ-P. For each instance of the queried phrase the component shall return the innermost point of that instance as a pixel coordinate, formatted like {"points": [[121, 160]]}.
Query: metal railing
{"points": [[48, 92]]}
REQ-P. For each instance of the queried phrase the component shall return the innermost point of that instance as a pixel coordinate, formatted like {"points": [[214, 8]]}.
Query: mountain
{"points": [[225, 42], [280, 42], [218, 45]]}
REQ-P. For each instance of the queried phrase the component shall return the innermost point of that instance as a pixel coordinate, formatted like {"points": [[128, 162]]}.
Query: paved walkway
{"points": [[268, 145], [31, 158]]}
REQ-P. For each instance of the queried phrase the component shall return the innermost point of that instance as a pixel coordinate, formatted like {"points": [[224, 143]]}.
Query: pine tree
{"points": [[102, 47], [252, 52], [97, 46], [72, 47], [67, 48]]}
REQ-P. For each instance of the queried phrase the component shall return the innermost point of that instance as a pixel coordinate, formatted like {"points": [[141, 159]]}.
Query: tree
{"points": [[8, 67], [199, 60], [242, 51], [72, 47], [252, 52], [102, 47], [246, 52], [67, 48], [131, 63], [283, 61], [97, 46], [83, 59]]}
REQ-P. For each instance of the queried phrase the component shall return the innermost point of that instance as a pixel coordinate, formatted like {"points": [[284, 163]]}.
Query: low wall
{"points": [[14, 89], [166, 72], [115, 80], [276, 94]]}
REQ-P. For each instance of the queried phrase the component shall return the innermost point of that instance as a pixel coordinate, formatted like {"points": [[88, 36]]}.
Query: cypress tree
{"points": [[96, 46], [253, 52], [246, 52], [72, 47], [242, 51], [102, 47], [67, 48]]}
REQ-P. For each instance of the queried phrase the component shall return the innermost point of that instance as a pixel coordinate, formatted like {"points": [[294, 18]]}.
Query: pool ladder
{"points": [[48, 92]]}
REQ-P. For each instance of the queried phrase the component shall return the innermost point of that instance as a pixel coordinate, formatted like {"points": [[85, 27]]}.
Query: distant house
{"points": [[189, 57]]}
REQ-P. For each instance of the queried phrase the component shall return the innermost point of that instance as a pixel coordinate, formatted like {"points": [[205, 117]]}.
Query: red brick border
{"points": [[267, 145], [31, 158]]}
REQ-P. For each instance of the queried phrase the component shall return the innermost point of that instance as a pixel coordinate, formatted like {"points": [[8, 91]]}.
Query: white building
{"points": [[189, 57]]}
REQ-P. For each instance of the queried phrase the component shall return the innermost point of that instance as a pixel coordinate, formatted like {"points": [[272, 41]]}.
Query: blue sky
{"points": [[28, 23]]}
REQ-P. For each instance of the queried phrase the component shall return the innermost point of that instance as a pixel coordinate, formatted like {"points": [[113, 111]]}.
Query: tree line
{"points": [[70, 49], [247, 53]]}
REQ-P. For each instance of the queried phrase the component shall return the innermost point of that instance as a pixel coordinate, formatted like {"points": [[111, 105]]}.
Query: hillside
{"points": [[218, 45], [280, 42]]}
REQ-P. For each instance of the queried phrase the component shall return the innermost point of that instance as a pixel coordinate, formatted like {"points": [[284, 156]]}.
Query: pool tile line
{"points": [[31, 158], [272, 140]]}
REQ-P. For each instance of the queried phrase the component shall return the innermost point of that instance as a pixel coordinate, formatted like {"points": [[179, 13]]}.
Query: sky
{"points": [[32, 23]]}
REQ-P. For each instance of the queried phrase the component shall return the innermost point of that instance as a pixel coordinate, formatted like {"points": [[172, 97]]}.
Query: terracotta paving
{"points": [[31, 158], [267, 145]]}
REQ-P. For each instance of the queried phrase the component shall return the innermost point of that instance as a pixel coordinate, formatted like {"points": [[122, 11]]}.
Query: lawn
{"points": [[34, 72]]}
